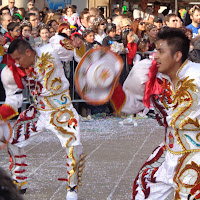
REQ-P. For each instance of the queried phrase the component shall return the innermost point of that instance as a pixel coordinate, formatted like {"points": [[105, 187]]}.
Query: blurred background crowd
{"points": [[129, 33]]}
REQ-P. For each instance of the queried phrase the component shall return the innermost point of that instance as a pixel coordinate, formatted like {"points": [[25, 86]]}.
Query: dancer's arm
{"points": [[128, 99], [66, 49], [14, 96]]}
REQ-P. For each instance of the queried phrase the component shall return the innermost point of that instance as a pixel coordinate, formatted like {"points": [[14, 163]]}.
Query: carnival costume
{"points": [[52, 110], [175, 163]]}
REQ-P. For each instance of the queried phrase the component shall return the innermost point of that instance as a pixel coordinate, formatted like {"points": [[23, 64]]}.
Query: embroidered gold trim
{"points": [[181, 152], [74, 165]]}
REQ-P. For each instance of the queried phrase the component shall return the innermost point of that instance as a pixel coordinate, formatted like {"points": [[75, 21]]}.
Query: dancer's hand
{"points": [[81, 167], [138, 76]]}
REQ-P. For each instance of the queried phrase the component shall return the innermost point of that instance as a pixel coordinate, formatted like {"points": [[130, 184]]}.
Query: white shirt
{"points": [[99, 38], [138, 13]]}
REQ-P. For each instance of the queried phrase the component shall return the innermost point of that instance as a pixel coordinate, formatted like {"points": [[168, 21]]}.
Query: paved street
{"points": [[115, 154]]}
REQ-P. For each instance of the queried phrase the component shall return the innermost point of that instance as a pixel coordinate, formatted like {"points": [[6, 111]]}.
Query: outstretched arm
{"points": [[129, 98], [14, 96]]}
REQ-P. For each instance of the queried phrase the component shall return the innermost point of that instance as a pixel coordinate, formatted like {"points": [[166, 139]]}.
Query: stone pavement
{"points": [[115, 153]]}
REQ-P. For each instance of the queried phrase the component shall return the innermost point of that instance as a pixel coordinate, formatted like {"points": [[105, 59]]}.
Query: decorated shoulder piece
{"points": [[97, 74], [66, 44], [80, 51]]}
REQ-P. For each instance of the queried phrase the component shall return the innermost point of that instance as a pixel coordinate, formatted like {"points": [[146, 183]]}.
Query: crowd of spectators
{"points": [[130, 34]]}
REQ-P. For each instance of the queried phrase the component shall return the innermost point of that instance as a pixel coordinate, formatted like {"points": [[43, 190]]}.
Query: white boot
{"points": [[72, 193], [73, 157]]}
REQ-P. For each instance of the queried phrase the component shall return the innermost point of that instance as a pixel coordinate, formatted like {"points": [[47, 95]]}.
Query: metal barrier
{"points": [[27, 97]]}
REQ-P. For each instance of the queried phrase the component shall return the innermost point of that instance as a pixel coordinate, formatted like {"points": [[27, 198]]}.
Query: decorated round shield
{"points": [[5, 134], [96, 75]]}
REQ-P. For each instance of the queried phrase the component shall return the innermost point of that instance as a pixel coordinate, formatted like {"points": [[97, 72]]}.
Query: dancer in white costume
{"points": [[174, 90], [172, 83], [52, 108]]}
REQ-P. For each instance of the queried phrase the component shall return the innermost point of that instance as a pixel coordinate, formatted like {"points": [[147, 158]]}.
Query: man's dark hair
{"points": [[33, 9], [74, 7], [28, 15], [8, 189], [81, 15], [20, 45], [167, 17], [176, 39], [4, 8], [110, 27], [16, 18], [12, 25]]}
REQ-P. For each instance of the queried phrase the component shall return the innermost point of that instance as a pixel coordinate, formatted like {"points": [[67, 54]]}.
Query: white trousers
{"points": [[32, 122], [164, 172]]}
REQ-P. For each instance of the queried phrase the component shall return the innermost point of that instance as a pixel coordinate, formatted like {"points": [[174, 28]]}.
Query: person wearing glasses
{"points": [[172, 21], [11, 7], [139, 27], [99, 25], [14, 32], [195, 17], [33, 18]]}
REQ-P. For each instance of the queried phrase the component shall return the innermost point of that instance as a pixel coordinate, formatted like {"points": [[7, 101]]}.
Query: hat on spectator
{"points": [[97, 74], [126, 22], [5, 133], [158, 19]]}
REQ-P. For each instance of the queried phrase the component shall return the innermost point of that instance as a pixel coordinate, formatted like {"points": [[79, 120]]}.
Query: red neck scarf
{"points": [[151, 86], [18, 74]]}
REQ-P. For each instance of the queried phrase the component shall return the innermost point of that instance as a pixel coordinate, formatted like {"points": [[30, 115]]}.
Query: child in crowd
{"points": [[143, 47], [14, 32], [68, 16], [111, 32], [88, 36], [34, 33], [128, 41], [26, 29], [43, 36]]}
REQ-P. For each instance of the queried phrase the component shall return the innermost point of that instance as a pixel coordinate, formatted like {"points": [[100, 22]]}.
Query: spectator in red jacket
{"points": [[128, 41]]}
